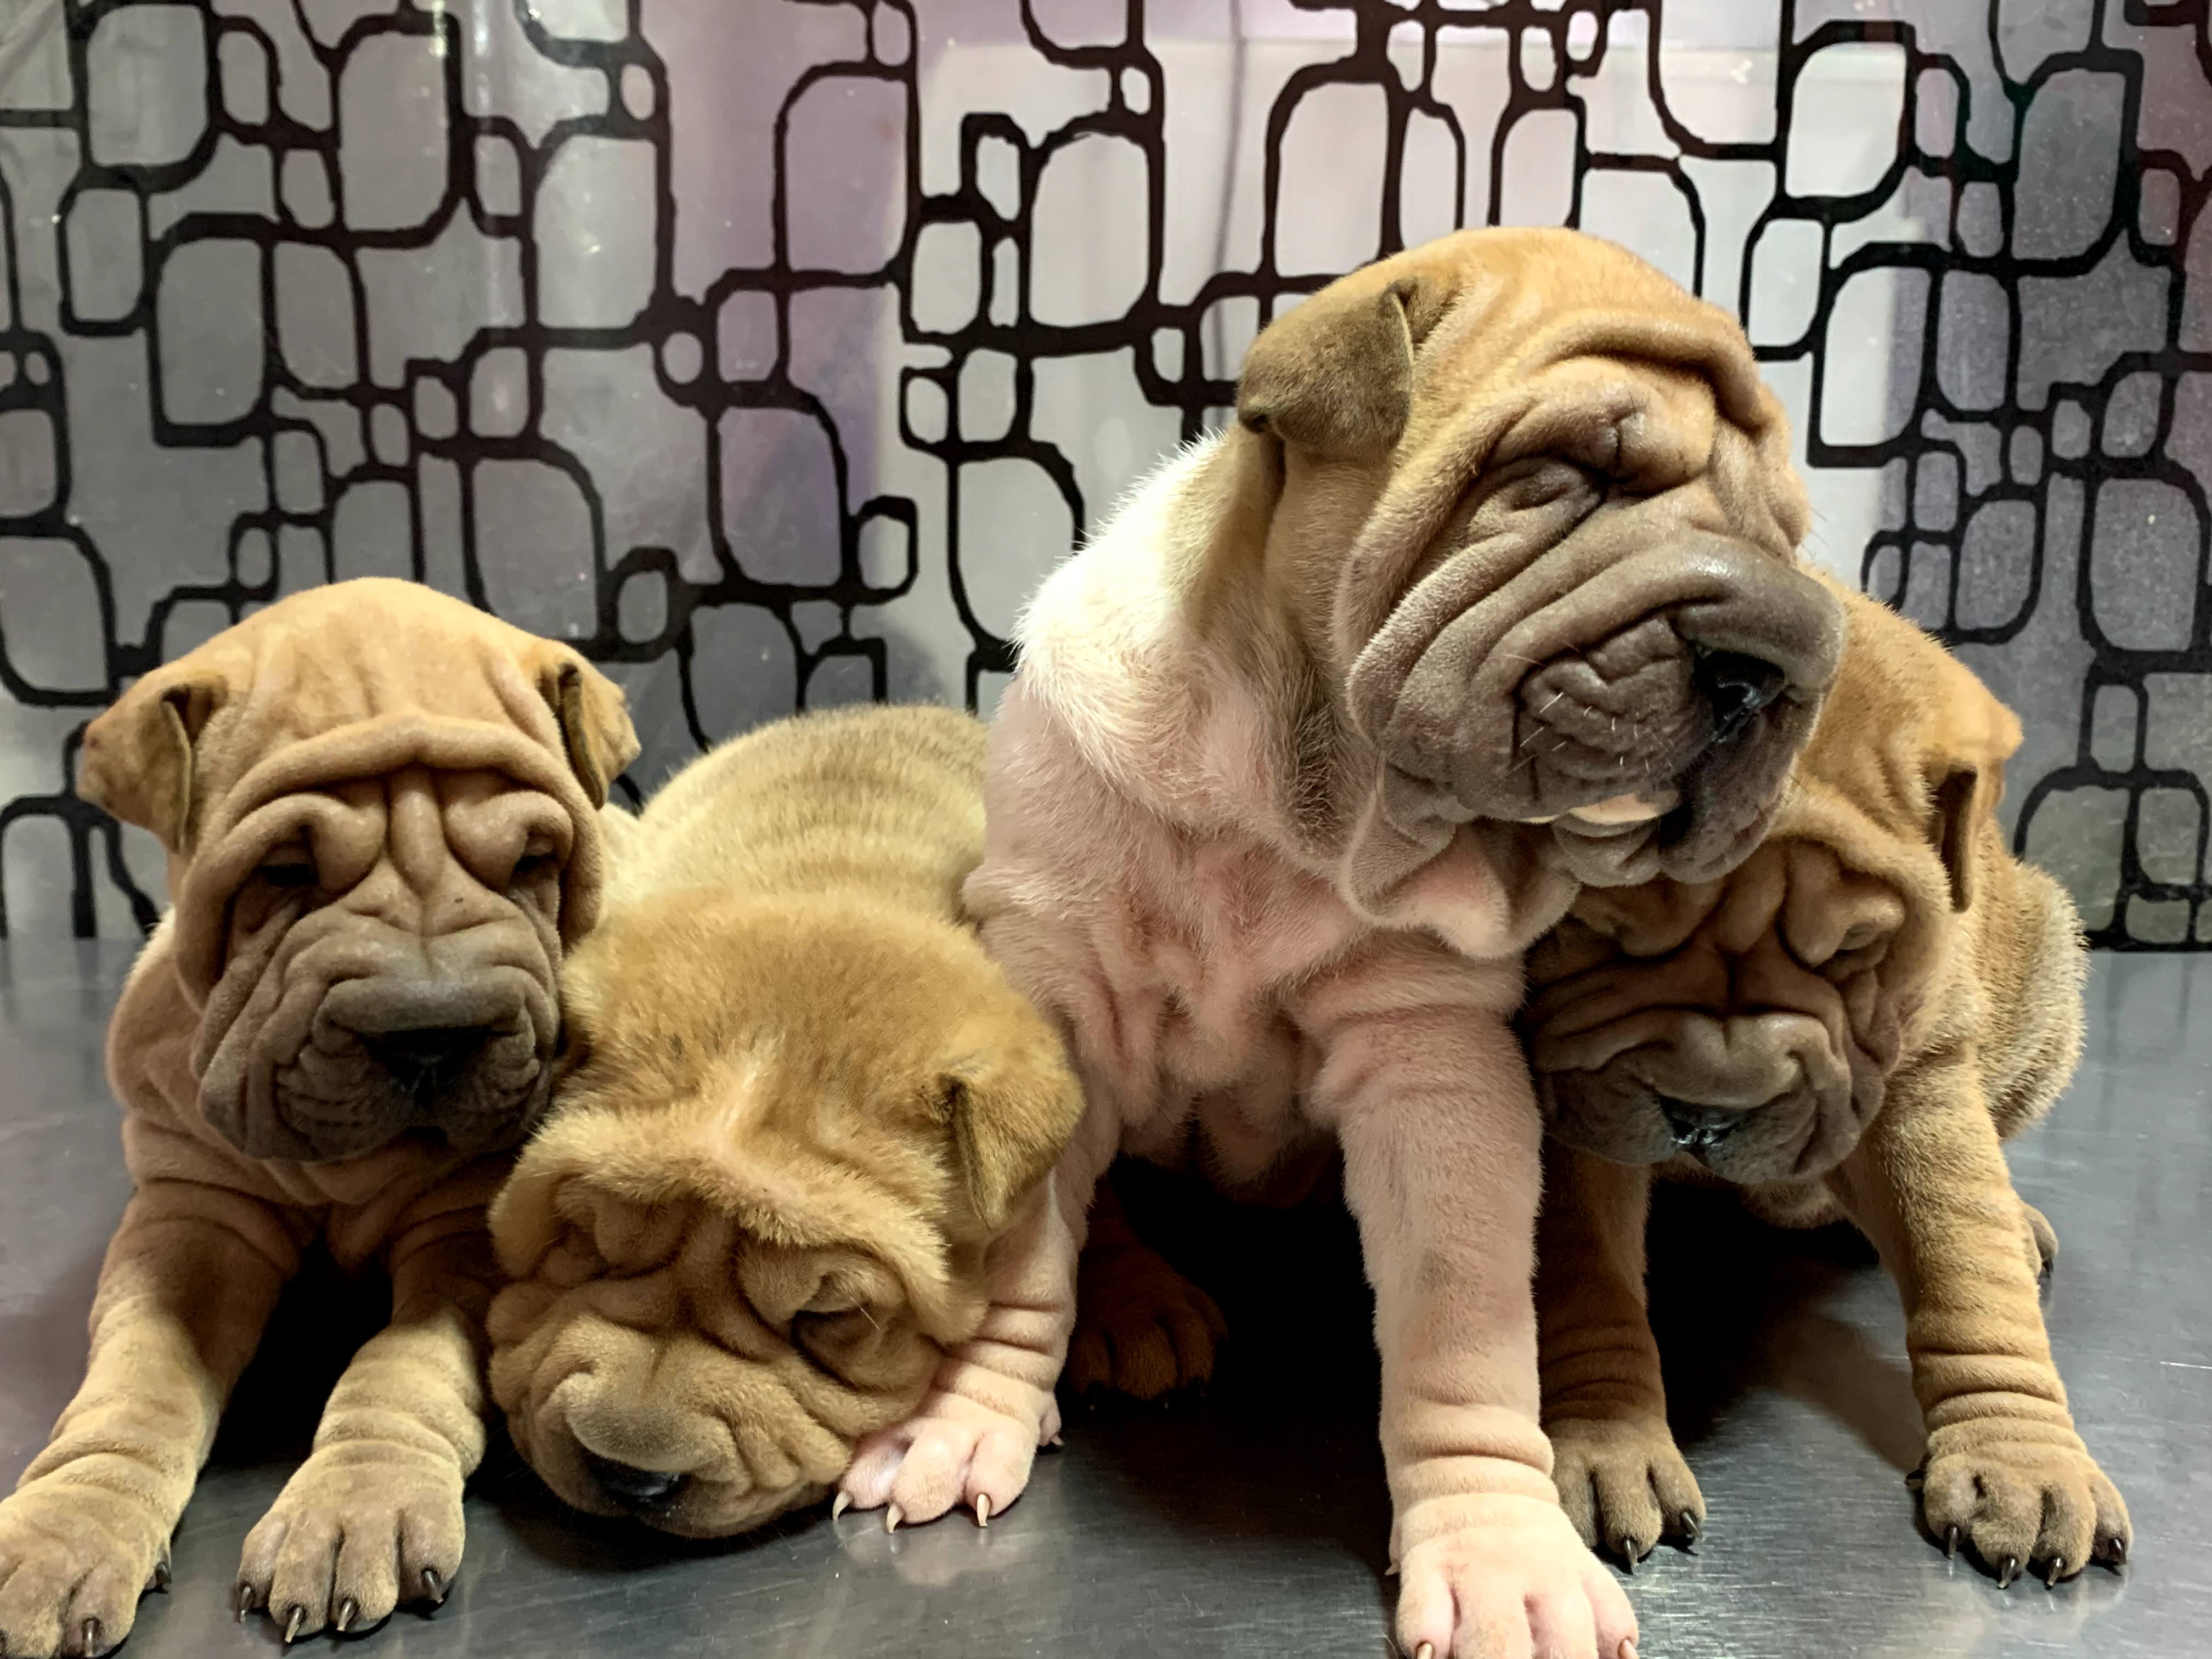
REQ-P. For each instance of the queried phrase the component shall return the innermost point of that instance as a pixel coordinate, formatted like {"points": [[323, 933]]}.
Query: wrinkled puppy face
{"points": [[1538, 503], [1749, 1023], [1753, 1022], [757, 1216], [380, 810], [389, 957]]}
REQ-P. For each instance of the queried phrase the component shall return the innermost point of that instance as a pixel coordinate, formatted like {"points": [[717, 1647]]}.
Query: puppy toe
{"points": [[1090, 1361], [1146, 1366]]}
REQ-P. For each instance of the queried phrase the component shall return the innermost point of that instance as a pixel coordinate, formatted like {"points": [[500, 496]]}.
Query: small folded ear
{"points": [[1335, 374], [594, 717], [137, 757], [1966, 781], [1011, 1116]]}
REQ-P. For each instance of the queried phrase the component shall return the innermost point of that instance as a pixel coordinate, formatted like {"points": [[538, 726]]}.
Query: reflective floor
{"points": [[1253, 1523]]}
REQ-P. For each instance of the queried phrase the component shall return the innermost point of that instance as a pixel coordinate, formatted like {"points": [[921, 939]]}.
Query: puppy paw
{"points": [[2025, 1496], [971, 1445], [75, 1558], [1506, 1578], [1142, 1329], [1624, 1485], [359, 1529]]}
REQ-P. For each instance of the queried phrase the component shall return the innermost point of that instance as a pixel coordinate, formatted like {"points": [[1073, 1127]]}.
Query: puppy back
{"points": [[883, 801]]}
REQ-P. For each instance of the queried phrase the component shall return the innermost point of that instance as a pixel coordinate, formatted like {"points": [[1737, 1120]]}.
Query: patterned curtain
{"points": [[771, 350]]}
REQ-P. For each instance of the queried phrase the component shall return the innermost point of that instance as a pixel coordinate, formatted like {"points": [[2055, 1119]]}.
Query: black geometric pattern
{"points": [[772, 351]]}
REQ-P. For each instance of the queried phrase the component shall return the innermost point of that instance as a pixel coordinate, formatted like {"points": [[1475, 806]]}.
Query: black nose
{"points": [[1698, 1128], [1736, 687], [427, 1055], [634, 1488]]}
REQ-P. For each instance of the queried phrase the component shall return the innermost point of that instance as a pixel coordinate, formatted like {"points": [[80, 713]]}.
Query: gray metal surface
{"points": [[1254, 1523]]}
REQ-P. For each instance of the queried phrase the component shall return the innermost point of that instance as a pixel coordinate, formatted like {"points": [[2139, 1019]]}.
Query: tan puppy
{"points": [[1491, 592], [1849, 1025], [801, 1107], [380, 807]]}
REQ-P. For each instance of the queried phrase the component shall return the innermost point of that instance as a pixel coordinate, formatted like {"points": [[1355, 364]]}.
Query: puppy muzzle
{"points": [[1753, 1098], [1648, 712], [365, 1033]]}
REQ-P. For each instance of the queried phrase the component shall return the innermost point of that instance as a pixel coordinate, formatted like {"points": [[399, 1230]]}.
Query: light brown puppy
{"points": [[1847, 1026], [800, 1109], [1491, 592], [380, 807]]}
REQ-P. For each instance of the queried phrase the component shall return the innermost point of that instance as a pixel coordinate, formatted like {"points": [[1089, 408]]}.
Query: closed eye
{"points": [[288, 868]]}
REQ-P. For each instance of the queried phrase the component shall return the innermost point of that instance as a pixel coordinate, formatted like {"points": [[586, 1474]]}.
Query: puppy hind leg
{"points": [[1142, 1329], [190, 1281], [373, 1519]]}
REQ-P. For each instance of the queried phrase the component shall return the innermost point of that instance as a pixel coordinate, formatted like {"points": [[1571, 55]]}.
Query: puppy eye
{"points": [[289, 867], [538, 860]]}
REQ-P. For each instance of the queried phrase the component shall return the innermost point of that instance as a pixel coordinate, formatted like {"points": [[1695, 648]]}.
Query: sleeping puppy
{"points": [[1491, 591], [800, 1109], [380, 807], [1847, 1026]]}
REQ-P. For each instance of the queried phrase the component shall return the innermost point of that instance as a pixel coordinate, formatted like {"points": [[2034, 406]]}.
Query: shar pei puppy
{"points": [[1850, 1026], [380, 807], [799, 1113], [1491, 591]]}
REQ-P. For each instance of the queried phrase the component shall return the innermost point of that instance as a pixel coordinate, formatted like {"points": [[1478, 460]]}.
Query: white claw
{"points": [[842, 1502], [982, 1508], [892, 1517]]}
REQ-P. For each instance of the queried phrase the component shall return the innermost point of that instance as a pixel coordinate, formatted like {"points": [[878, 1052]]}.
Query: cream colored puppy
{"points": [[800, 1109]]}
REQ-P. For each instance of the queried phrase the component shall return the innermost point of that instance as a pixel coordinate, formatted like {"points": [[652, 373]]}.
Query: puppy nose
{"points": [[419, 1056], [1736, 687], [632, 1487], [1698, 1128]]}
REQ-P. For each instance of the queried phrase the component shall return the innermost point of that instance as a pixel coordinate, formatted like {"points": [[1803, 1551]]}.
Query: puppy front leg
{"points": [[191, 1279], [1621, 1480], [2005, 1468], [975, 1435], [372, 1518], [1440, 1136]]}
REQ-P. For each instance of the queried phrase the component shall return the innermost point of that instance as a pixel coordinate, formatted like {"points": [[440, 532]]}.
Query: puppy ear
{"points": [[1335, 374], [594, 717], [1965, 781], [137, 756], [1011, 1116]]}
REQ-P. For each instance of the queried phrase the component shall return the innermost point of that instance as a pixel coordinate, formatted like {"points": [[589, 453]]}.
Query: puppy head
{"points": [[1535, 512], [1751, 1023], [785, 1136], [380, 810]]}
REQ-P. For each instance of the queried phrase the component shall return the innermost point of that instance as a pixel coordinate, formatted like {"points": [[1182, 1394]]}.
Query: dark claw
{"points": [[161, 1572], [433, 1587], [2009, 1572], [1951, 1544], [1916, 1478], [1688, 1523], [2117, 1554], [1628, 1548], [2050, 1578], [92, 1635], [242, 1603], [348, 1610], [297, 1618]]}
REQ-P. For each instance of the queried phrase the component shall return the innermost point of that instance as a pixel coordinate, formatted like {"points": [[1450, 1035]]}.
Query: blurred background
{"points": [[771, 351]]}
